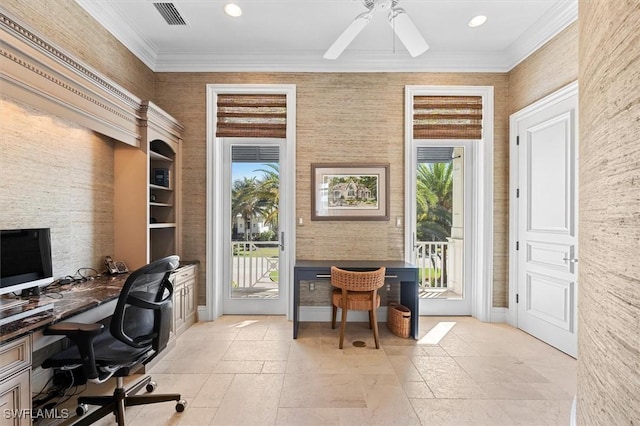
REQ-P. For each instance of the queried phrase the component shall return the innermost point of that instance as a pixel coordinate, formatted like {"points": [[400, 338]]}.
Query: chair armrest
{"points": [[82, 335], [73, 328]]}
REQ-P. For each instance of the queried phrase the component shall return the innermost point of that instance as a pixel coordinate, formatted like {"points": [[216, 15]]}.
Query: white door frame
{"points": [[482, 223], [564, 93], [443, 306], [258, 306], [215, 201]]}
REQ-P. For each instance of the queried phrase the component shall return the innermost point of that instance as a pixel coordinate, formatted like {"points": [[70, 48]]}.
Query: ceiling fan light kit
{"points": [[402, 25]]}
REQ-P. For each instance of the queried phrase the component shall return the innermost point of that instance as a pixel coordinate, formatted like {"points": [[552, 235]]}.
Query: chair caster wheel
{"points": [[151, 386], [181, 405], [82, 409]]}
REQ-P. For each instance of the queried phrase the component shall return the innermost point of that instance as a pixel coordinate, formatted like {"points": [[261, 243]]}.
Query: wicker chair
{"points": [[357, 291]]}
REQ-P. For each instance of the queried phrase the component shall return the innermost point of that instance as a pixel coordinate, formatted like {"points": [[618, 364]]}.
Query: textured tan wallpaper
{"points": [[341, 117], [548, 69], [55, 174], [66, 24], [609, 226]]}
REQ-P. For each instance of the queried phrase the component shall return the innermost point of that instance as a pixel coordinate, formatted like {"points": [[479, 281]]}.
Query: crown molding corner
{"points": [[114, 22], [164, 125], [559, 17], [35, 71]]}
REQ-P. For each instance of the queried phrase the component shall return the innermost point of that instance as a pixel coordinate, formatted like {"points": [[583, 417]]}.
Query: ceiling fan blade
{"points": [[407, 32], [347, 36]]}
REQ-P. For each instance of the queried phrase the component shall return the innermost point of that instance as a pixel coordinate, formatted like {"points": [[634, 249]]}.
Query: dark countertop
{"points": [[67, 300]]}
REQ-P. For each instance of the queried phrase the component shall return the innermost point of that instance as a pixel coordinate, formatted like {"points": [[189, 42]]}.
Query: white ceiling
{"points": [[292, 35]]}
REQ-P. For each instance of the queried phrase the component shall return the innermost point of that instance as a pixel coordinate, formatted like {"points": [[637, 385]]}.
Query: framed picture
{"points": [[350, 191]]}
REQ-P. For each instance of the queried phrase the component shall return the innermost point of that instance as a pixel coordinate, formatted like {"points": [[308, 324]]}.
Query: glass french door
{"points": [[441, 221], [253, 242]]}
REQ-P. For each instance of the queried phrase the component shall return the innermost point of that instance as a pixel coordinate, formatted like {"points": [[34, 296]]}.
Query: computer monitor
{"points": [[25, 259]]}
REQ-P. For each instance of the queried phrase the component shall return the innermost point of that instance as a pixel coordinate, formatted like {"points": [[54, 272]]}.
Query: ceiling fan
{"points": [[403, 26]]}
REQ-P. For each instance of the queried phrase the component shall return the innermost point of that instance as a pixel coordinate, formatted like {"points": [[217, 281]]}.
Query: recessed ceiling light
{"points": [[233, 9], [477, 21]]}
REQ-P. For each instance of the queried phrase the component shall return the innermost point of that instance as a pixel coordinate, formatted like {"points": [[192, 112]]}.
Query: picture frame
{"points": [[349, 191]]}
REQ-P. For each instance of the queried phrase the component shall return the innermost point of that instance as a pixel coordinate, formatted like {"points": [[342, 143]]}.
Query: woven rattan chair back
{"points": [[356, 290]]}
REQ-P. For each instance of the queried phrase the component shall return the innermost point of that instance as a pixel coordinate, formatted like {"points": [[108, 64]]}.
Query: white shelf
{"points": [[164, 188], [161, 225], [158, 157], [160, 204]]}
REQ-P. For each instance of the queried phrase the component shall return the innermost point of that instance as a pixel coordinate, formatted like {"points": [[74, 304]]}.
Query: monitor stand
{"points": [[33, 291]]}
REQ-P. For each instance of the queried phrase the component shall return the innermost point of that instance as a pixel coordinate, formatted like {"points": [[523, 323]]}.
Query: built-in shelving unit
{"points": [[161, 195], [151, 202]]}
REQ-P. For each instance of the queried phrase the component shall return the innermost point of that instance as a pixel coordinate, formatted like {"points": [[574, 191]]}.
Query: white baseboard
{"points": [[573, 419], [317, 314], [499, 314], [202, 313], [323, 314]]}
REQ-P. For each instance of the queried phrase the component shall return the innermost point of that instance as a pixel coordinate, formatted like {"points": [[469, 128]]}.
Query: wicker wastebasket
{"points": [[399, 319]]}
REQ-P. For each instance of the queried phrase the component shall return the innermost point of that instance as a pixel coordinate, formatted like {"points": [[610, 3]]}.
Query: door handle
{"points": [[570, 260], [282, 241]]}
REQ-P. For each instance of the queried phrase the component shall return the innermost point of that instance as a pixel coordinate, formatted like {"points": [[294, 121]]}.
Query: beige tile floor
{"points": [[241, 370]]}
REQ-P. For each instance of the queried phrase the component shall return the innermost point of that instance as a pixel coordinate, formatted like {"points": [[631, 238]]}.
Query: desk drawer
{"points": [[15, 356], [184, 274], [15, 399]]}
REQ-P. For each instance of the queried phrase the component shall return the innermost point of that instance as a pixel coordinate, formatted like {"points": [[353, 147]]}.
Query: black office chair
{"points": [[138, 332]]}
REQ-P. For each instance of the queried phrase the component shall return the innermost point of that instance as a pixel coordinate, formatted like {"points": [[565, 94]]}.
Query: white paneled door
{"points": [[547, 233]]}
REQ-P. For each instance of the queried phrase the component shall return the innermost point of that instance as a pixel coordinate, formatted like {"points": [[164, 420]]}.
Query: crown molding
{"points": [[160, 125], [348, 62], [35, 71], [120, 27], [551, 23], [559, 17]]}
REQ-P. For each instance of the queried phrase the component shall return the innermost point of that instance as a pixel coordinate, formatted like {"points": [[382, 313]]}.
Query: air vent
{"points": [[170, 13]]}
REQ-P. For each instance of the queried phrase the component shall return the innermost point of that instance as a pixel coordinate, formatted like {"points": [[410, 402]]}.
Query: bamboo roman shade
{"points": [[447, 117], [252, 116]]}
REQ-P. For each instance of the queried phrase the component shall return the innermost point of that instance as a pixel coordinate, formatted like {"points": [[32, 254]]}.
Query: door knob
{"points": [[570, 260]]}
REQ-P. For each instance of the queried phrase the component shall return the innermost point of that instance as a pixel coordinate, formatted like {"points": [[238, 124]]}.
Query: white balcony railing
{"points": [[431, 260], [254, 264]]}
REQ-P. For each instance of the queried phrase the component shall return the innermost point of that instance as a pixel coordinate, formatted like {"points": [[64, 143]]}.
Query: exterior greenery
{"points": [[434, 201], [253, 197]]}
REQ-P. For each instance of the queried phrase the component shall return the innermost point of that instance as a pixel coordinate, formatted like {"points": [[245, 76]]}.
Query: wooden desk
{"points": [[406, 273]]}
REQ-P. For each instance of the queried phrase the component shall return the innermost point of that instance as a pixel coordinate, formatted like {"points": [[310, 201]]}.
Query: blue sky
{"points": [[239, 170]]}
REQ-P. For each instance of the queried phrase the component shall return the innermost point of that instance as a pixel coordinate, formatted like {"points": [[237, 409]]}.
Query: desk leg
{"points": [[409, 298], [296, 303]]}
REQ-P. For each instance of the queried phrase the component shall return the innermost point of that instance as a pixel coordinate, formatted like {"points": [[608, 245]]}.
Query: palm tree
{"points": [[244, 201], [434, 204], [434, 201], [268, 191]]}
